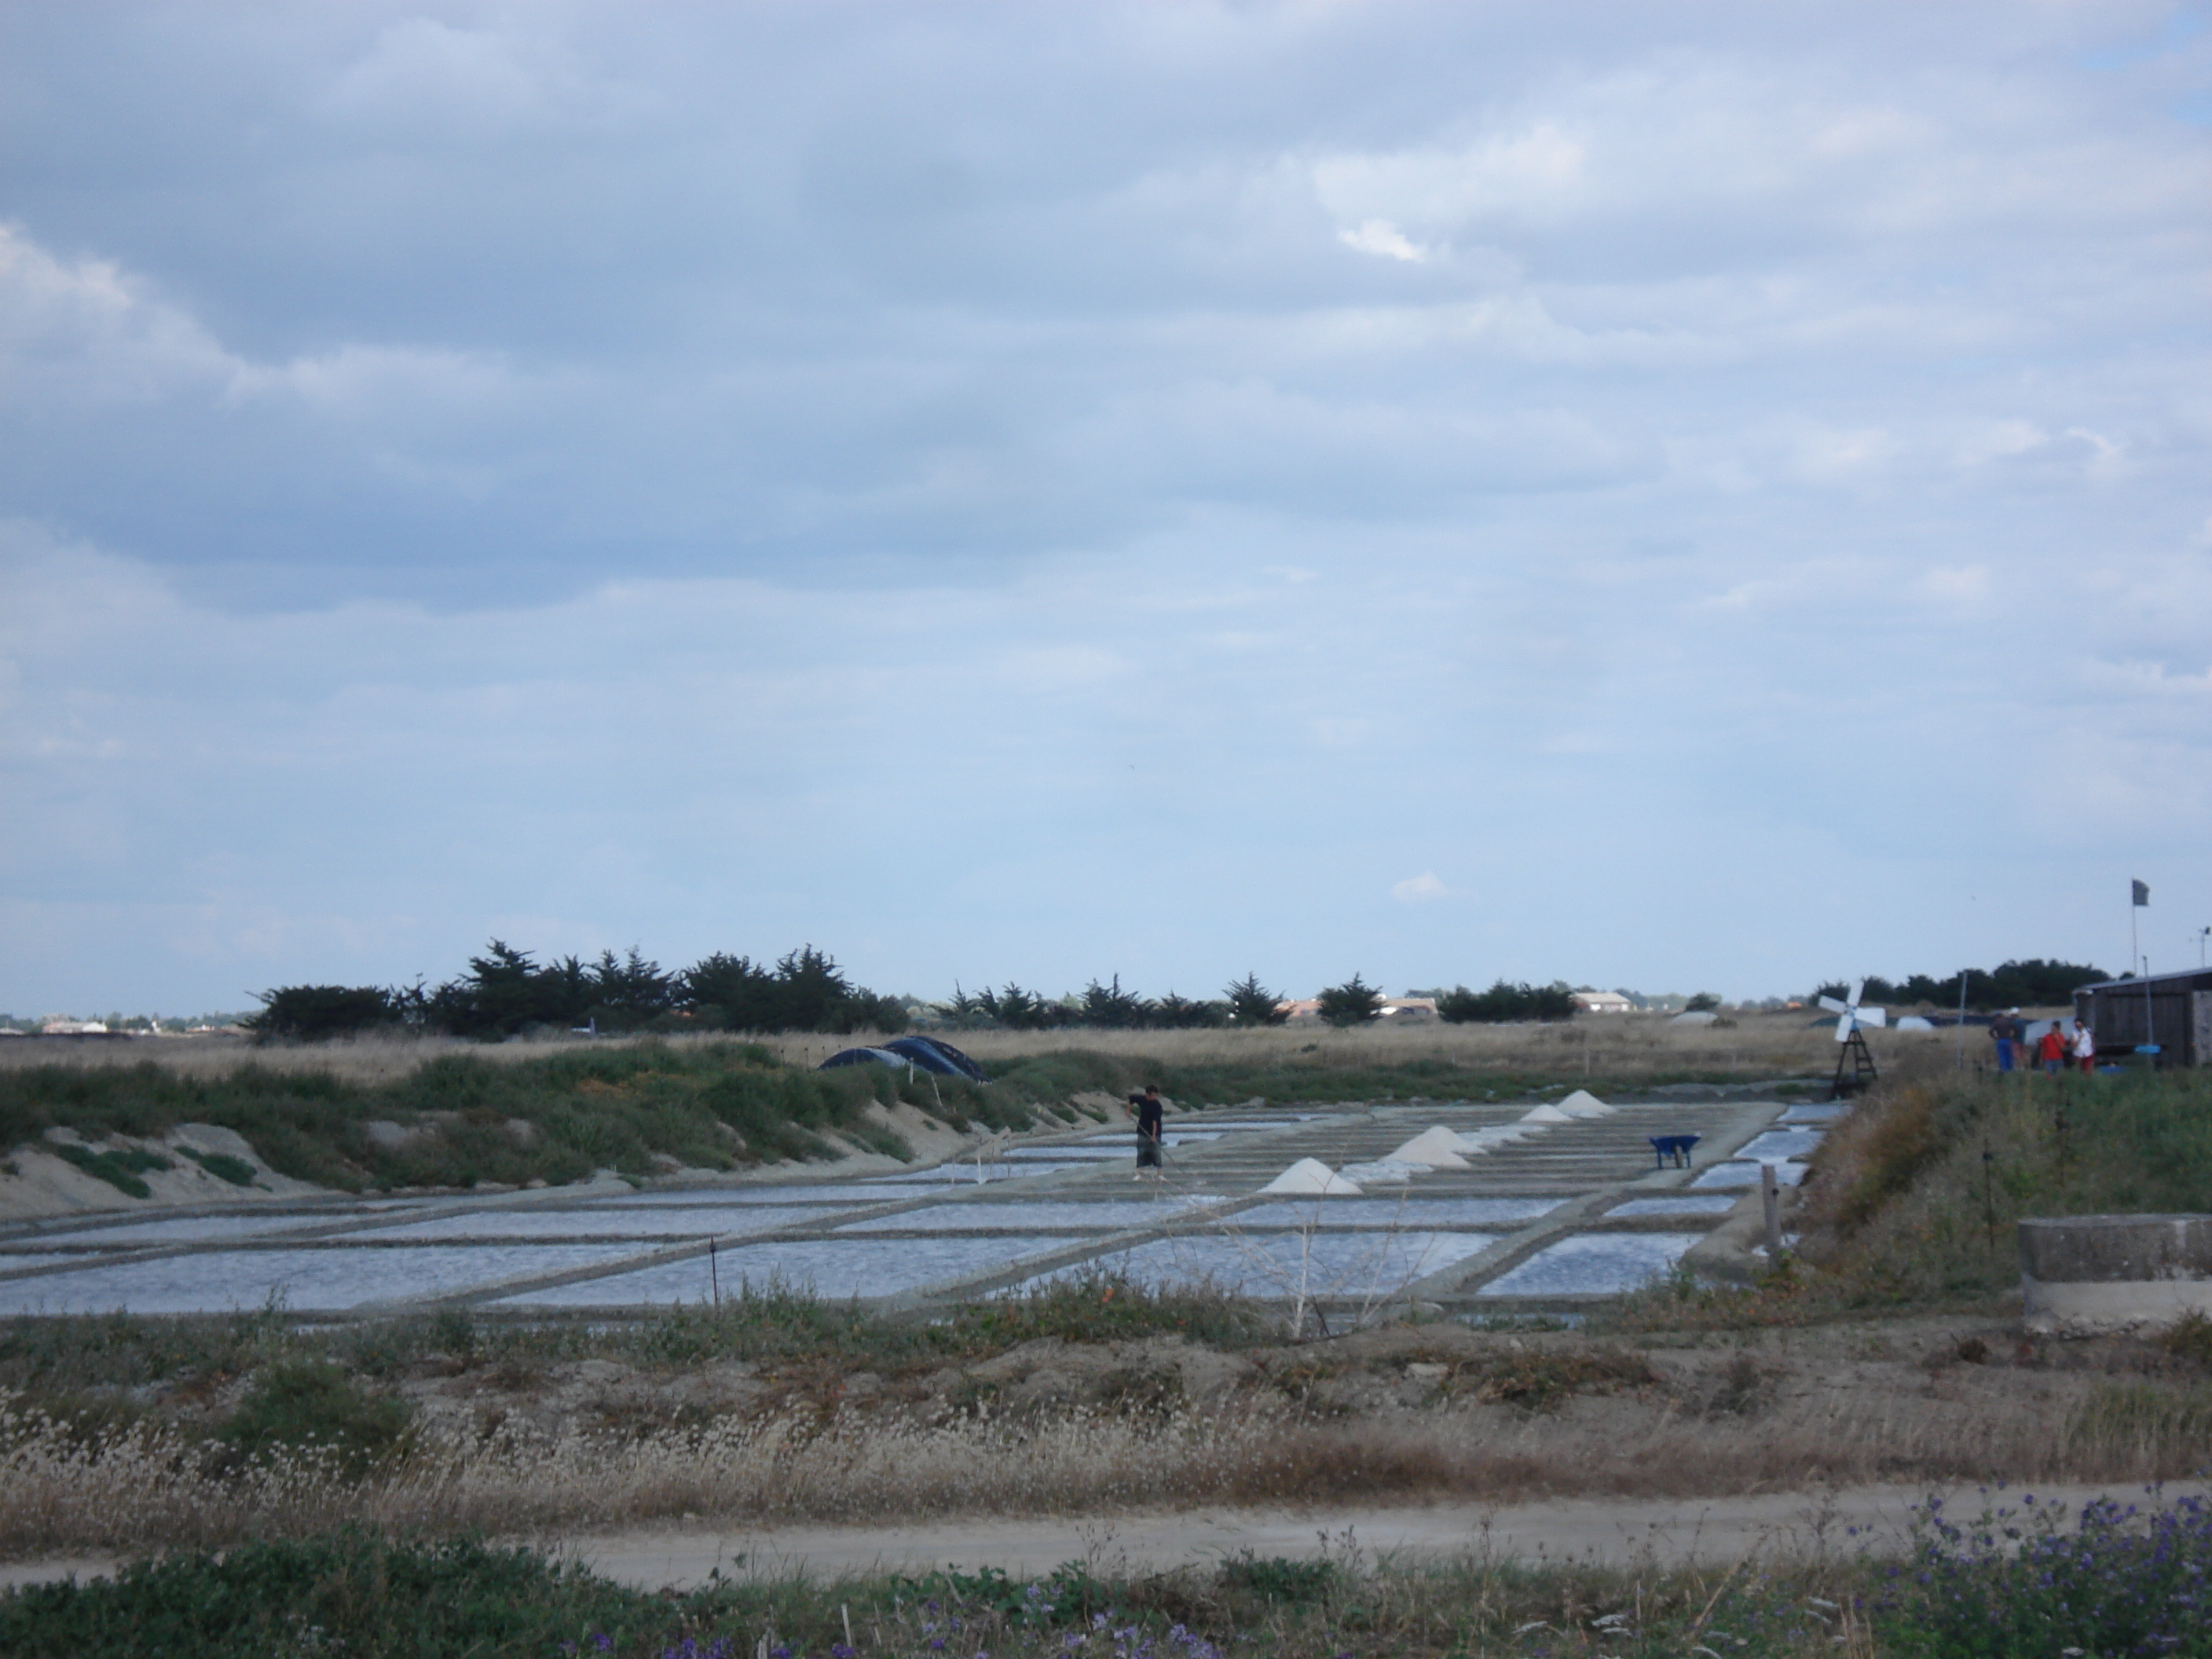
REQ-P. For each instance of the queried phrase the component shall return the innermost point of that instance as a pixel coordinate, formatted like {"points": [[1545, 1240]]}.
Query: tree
{"points": [[1251, 1003], [628, 994], [1352, 1003], [1019, 1010], [1703, 1003], [805, 990], [505, 992], [1504, 1002], [314, 1013], [726, 992], [1182, 1013], [1113, 1007]]}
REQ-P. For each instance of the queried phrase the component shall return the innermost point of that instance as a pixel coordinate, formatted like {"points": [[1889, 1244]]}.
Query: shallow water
{"points": [[1410, 1213], [1825, 1112], [1706, 1204], [835, 1269], [848, 1194], [1040, 1215], [331, 1277], [1278, 1264], [964, 1175], [1594, 1264], [1747, 1175], [1778, 1144], [640, 1221], [176, 1229]]}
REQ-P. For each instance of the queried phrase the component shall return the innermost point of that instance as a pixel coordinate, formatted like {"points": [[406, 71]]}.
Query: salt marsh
{"points": [[1594, 1264], [835, 1268], [329, 1279]]}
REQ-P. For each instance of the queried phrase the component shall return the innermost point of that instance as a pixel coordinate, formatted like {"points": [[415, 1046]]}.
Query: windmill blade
{"points": [[1873, 1016], [1834, 1007], [1858, 988], [1844, 1029]]}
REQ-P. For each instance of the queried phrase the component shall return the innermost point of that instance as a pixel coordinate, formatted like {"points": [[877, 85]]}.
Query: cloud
{"points": [[1423, 888], [1382, 239]]}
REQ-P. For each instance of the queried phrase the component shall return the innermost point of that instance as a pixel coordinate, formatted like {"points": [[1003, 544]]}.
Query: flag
{"points": [[2142, 891]]}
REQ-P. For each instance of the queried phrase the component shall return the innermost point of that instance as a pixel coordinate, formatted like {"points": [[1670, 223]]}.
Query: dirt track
{"points": [[1622, 1532]]}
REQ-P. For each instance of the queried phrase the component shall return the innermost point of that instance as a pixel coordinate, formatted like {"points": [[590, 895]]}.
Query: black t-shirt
{"points": [[1149, 1113]]}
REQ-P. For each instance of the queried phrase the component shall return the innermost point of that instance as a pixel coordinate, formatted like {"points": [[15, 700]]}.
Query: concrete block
{"points": [[2090, 1274]]}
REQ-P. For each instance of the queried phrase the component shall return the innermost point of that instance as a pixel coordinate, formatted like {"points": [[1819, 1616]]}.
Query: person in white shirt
{"points": [[2085, 1047]]}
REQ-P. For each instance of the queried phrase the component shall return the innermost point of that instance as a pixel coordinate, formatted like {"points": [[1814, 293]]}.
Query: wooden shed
{"points": [[2173, 1011]]}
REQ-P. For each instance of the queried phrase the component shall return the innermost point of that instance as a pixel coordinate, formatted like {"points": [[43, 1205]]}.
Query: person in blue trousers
{"points": [[2004, 1029]]}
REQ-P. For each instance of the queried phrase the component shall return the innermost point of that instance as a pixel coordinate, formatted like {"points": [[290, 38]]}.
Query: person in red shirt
{"points": [[2050, 1048]]}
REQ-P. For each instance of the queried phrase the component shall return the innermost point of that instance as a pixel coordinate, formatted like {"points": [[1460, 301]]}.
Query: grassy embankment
{"points": [[556, 1111], [1913, 1199]]}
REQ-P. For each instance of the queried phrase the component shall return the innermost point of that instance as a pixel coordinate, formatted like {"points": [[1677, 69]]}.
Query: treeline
{"points": [[506, 993], [2033, 983], [1244, 1002]]}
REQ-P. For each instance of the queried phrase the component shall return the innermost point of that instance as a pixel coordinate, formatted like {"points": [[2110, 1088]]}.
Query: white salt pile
{"points": [[1437, 1148], [1545, 1115], [1584, 1103], [1311, 1175]]}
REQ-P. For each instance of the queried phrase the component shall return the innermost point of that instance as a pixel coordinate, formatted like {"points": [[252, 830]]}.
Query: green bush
{"points": [[119, 1170], [314, 1403], [351, 1594]]}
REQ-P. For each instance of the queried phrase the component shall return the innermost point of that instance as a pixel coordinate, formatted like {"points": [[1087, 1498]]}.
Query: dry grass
{"points": [[71, 1486], [1626, 1047], [1615, 1046]]}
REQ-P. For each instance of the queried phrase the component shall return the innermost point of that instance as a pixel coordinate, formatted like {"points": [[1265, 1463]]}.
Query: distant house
{"points": [[1404, 1008], [1603, 1002], [1397, 1008], [2171, 1010]]}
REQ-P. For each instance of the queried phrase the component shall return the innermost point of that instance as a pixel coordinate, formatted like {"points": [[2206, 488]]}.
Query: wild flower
{"points": [[2122, 1580]]}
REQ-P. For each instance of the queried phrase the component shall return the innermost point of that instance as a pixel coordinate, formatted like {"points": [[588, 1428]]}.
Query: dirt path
{"points": [[1671, 1532]]}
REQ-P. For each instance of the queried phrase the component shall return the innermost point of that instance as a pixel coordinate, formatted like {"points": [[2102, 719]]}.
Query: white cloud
{"points": [[1422, 889], [1383, 239]]}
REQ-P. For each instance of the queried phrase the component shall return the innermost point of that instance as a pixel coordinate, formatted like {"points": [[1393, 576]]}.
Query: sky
{"points": [[1713, 495]]}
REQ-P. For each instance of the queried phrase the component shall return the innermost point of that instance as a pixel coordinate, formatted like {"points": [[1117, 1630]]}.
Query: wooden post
{"points": [[1770, 1195]]}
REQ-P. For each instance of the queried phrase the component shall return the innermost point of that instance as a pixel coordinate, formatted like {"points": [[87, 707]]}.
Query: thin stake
{"points": [[1989, 1195], [713, 1273], [1770, 1197]]}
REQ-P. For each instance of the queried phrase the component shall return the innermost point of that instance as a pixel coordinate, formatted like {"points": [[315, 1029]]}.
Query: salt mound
{"points": [[1309, 1176], [1584, 1103], [1546, 1113], [1438, 1148]]}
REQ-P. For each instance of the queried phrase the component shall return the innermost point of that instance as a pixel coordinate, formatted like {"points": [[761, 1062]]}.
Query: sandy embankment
{"points": [[37, 1184]]}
